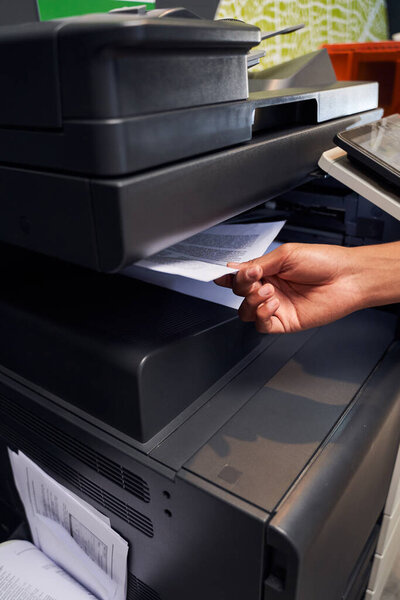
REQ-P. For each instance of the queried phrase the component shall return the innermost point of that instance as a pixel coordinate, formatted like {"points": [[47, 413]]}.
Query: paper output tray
{"points": [[106, 224]]}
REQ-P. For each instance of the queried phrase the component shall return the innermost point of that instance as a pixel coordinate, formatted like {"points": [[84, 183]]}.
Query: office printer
{"points": [[235, 465]]}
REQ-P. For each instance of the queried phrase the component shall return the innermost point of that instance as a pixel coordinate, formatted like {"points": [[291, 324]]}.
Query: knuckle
{"points": [[291, 248], [253, 300]]}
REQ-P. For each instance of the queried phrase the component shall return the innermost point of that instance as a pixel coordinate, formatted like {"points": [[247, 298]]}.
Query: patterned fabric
{"points": [[327, 21]]}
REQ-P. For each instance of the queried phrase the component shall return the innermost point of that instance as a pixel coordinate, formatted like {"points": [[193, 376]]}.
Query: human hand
{"points": [[297, 286]]}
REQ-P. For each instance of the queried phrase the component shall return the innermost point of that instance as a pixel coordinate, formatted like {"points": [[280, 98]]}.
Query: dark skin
{"points": [[299, 286]]}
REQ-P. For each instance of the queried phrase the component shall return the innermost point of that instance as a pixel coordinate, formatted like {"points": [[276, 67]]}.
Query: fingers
{"points": [[266, 320], [265, 266], [264, 312], [243, 282], [271, 325], [226, 280], [260, 294]]}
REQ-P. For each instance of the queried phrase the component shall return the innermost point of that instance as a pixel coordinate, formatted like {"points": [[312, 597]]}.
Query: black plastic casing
{"points": [[108, 223], [111, 94], [115, 66], [132, 355], [268, 487]]}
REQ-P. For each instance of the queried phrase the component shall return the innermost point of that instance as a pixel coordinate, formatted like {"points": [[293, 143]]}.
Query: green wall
{"points": [[56, 9], [327, 21]]}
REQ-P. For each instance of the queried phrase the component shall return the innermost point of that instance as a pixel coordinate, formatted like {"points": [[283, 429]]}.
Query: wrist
{"points": [[375, 272]]}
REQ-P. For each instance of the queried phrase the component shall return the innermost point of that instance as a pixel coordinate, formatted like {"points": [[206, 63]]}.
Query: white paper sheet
{"points": [[206, 290], [203, 257], [71, 532], [25, 572]]}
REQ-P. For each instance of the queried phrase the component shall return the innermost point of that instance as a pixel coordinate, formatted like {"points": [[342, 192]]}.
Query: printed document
{"points": [[27, 573], [206, 290], [204, 256], [262, 233], [71, 532]]}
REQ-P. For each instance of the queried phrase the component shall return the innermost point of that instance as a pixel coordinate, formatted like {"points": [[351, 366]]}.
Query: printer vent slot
{"points": [[92, 490], [122, 477], [137, 590]]}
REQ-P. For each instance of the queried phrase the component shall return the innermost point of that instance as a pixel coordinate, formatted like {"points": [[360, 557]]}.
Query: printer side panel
{"points": [[185, 536], [323, 527]]}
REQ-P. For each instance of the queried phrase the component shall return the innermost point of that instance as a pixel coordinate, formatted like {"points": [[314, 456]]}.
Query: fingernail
{"points": [[272, 304], [253, 272], [265, 290]]}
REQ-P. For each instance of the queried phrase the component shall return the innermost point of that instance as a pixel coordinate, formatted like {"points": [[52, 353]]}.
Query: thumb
{"points": [[271, 263]]}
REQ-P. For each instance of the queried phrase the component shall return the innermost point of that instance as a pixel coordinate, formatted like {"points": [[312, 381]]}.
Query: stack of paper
{"points": [[27, 573], [71, 532]]}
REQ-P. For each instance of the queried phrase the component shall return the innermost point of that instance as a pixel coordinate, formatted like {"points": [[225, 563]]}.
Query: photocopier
{"points": [[237, 466]]}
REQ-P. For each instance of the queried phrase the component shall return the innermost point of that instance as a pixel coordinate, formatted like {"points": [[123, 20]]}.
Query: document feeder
{"points": [[102, 91]]}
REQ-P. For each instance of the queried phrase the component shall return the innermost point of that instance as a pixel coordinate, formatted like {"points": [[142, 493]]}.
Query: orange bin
{"points": [[370, 61]]}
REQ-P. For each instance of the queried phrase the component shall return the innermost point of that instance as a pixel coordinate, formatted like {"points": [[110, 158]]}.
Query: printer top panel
{"points": [[265, 446]]}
